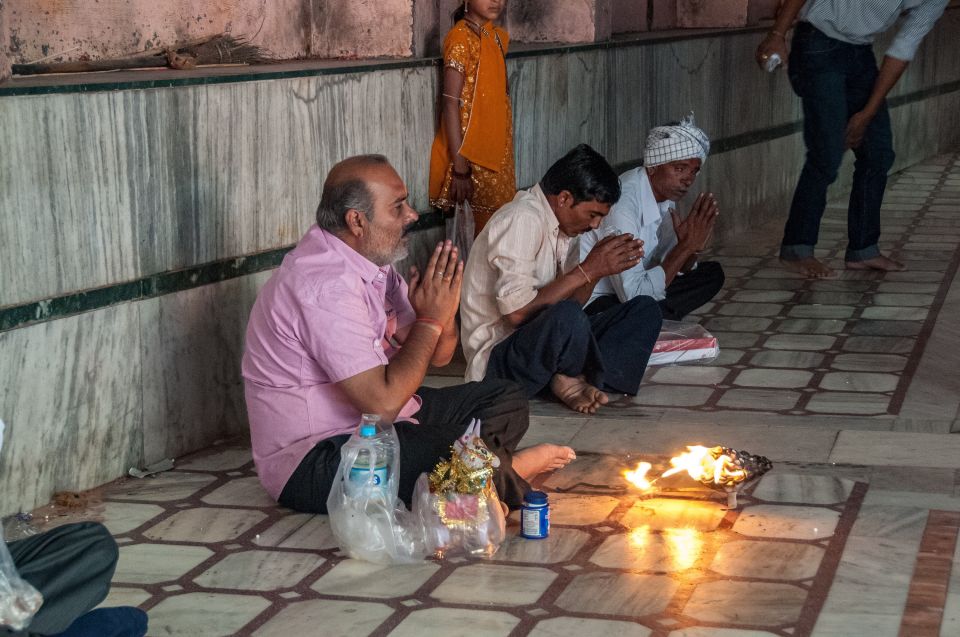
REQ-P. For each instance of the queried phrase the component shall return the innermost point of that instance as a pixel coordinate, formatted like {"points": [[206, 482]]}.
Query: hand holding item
{"points": [[612, 255], [772, 45], [461, 184], [435, 294], [856, 127]]}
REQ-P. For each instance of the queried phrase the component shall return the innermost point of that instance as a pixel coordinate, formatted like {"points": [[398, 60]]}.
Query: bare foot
{"points": [[810, 267], [534, 460], [885, 264], [577, 394]]}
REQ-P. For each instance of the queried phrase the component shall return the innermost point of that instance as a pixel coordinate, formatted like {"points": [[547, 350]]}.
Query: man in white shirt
{"points": [[832, 67], [669, 272], [524, 287]]}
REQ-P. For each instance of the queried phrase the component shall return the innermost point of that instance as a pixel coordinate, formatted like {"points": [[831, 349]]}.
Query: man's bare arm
{"points": [[890, 72], [776, 40]]}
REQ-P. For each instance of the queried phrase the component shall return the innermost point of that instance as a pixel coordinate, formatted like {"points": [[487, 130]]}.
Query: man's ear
{"points": [[356, 222], [565, 198]]}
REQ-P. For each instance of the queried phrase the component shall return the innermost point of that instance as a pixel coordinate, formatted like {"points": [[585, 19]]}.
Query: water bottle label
{"points": [[361, 475]]}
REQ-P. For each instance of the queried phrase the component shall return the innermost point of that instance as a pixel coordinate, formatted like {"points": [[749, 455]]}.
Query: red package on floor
{"points": [[683, 343]]}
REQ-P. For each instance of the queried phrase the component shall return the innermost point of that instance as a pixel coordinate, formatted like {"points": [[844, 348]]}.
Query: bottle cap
{"points": [[368, 425], [535, 497]]}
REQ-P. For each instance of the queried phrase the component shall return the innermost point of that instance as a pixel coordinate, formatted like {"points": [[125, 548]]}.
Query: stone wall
{"points": [[291, 29], [139, 217]]}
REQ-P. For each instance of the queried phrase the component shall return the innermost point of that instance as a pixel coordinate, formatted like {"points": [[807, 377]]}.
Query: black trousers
{"points": [[684, 294], [610, 348], [71, 566], [501, 406]]}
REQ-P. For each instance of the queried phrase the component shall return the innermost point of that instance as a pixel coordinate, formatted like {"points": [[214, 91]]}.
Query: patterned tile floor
{"points": [[851, 386]]}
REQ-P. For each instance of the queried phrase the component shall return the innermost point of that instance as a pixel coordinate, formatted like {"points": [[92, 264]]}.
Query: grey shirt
{"points": [[861, 21]]}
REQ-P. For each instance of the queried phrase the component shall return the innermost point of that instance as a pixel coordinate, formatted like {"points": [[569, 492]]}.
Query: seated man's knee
{"points": [[569, 314], [715, 274], [644, 308]]}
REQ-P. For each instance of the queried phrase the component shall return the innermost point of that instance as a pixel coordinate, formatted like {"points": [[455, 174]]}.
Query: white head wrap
{"points": [[676, 143]]}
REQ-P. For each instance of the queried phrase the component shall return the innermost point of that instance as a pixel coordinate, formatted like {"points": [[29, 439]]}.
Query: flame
{"points": [[700, 464], [640, 536], [638, 477]]}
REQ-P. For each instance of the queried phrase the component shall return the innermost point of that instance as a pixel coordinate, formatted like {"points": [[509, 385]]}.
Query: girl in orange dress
{"points": [[472, 155]]}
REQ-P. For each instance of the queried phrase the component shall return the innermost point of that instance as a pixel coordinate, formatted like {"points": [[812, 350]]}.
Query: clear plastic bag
{"points": [[366, 516], [460, 229], [684, 343], [456, 506], [19, 601]]}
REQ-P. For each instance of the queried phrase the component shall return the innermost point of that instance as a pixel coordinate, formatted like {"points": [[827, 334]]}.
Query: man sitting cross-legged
{"points": [[336, 333], [524, 288], [669, 271]]}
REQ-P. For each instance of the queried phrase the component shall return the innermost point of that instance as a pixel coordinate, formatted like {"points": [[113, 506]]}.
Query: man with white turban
{"points": [[669, 271]]}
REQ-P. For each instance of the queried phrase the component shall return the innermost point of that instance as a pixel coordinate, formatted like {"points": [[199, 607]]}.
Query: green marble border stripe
{"points": [[148, 287], [180, 280]]}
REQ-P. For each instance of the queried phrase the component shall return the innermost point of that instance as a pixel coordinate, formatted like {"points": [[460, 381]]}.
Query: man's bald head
{"points": [[346, 189]]}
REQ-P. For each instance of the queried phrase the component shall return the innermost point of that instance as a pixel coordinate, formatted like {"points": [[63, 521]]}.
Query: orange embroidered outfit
{"points": [[486, 122]]}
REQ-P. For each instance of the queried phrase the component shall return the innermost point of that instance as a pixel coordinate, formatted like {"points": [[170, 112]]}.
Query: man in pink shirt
{"points": [[336, 333]]}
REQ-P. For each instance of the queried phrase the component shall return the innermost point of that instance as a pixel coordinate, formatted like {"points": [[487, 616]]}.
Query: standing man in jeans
{"points": [[833, 69]]}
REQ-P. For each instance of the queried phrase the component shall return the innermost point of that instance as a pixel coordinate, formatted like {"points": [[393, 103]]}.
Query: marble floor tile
{"points": [[364, 579], [156, 563], [560, 546], [737, 324], [240, 492], [768, 560], [735, 339], [787, 285], [259, 570], [558, 431], [751, 603], [299, 531], [830, 298], [640, 549], [566, 626], [122, 596], [783, 378], [205, 614], [763, 296], [800, 342], [786, 522], [733, 272], [809, 489], [895, 287], [671, 396], [165, 487], [843, 624], [728, 357], [700, 631], [205, 525], [494, 584], [841, 285], [578, 509], [901, 523], [781, 358], [435, 622], [859, 382], [812, 326], [913, 276], [821, 311], [673, 513], [830, 402], [879, 344], [589, 469], [619, 594], [897, 448], [690, 375], [765, 399], [218, 460], [869, 362], [123, 517], [337, 619], [749, 309], [885, 313]]}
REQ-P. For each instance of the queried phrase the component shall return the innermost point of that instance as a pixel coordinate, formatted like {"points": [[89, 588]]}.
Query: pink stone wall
{"points": [[552, 21], [711, 13], [362, 28], [629, 16], [762, 10], [664, 15], [4, 43]]}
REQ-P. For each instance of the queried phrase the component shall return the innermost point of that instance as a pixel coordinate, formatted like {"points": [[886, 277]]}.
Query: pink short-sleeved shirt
{"points": [[325, 315]]}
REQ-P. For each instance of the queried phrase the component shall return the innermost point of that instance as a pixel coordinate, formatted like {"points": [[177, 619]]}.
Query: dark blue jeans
{"points": [[834, 80], [610, 349]]}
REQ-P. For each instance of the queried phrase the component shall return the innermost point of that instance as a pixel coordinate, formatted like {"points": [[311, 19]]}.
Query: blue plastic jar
{"points": [[535, 516]]}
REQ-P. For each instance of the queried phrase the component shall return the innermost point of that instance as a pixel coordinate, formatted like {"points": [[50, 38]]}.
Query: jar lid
{"points": [[535, 497]]}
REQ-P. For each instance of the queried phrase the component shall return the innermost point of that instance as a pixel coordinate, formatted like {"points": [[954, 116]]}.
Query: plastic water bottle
{"points": [[773, 62], [376, 457]]}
